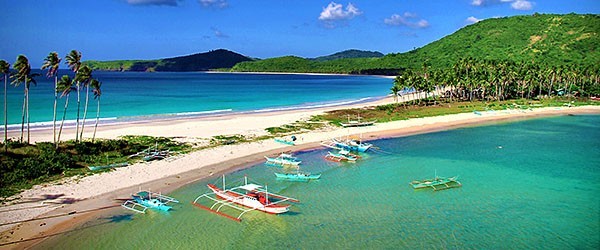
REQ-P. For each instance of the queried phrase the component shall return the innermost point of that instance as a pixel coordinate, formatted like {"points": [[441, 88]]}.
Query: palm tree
{"points": [[83, 76], [97, 93], [24, 75], [5, 69], [65, 86], [52, 63], [74, 62]]}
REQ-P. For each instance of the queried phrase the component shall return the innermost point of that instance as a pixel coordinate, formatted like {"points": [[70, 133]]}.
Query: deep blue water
{"points": [[139, 95], [530, 184]]}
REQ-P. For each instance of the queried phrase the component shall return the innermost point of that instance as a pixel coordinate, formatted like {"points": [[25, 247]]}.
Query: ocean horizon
{"points": [[140, 96]]}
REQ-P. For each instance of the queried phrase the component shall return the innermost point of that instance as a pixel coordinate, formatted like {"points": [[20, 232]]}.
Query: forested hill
{"points": [[197, 62], [544, 39], [351, 53]]}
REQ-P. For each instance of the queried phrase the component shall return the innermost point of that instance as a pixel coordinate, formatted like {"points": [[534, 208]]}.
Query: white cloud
{"points": [[521, 5], [218, 33], [406, 20], [153, 2], [213, 3], [335, 11], [514, 4], [472, 19], [488, 2]]}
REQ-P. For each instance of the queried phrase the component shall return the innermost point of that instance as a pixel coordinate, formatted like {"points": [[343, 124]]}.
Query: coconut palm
{"points": [[24, 75], [97, 93], [52, 63], [83, 77], [65, 86], [5, 69], [74, 63]]}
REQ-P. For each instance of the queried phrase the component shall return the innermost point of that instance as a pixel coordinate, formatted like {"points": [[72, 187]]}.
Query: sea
{"points": [[527, 184], [136, 96]]}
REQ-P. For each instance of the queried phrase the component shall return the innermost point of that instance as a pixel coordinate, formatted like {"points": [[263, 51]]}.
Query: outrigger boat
{"points": [[356, 123], [290, 142], [298, 176], [114, 165], [146, 199], [244, 198], [342, 155], [283, 160], [349, 144], [437, 183]]}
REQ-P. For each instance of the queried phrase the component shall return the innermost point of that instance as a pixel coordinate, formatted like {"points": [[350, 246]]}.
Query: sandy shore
{"points": [[54, 208]]}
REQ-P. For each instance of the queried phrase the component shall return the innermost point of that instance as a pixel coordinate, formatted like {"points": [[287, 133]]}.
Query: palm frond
{"points": [[74, 60]]}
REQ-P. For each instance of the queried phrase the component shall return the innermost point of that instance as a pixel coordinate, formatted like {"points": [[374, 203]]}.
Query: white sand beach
{"points": [[71, 197]]}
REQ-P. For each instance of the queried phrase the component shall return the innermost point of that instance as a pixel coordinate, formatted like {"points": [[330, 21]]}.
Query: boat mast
{"points": [[266, 195]]}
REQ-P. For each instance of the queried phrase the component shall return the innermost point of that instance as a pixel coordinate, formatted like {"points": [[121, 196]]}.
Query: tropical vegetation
{"points": [[197, 62], [25, 164], [547, 40]]}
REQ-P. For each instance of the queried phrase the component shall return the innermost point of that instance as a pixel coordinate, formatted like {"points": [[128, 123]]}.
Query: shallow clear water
{"points": [[139, 95], [527, 184]]}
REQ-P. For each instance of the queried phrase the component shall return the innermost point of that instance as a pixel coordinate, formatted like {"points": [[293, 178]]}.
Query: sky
{"points": [[152, 29]]}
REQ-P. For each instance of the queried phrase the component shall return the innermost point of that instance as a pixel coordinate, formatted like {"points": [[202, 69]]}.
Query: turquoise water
{"points": [[526, 185], [139, 95]]}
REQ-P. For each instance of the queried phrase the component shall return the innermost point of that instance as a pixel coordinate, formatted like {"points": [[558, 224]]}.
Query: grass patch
{"points": [[25, 165]]}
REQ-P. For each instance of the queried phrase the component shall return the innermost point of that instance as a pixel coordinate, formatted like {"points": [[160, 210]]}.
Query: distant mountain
{"points": [[544, 39], [215, 59], [352, 53]]}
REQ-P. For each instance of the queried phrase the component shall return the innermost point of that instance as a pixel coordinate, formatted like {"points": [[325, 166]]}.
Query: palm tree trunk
{"points": [[28, 135], [63, 119], [54, 112], [23, 116], [97, 119], [87, 94], [77, 121], [5, 114]]}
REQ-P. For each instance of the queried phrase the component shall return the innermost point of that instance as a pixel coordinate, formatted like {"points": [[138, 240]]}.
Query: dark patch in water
{"points": [[120, 218]]}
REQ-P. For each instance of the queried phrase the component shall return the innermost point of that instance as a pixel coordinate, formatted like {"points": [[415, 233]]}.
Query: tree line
{"points": [[21, 75], [496, 80]]}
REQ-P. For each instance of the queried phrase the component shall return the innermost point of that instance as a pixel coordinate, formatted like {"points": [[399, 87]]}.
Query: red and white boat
{"points": [[244, 198]]}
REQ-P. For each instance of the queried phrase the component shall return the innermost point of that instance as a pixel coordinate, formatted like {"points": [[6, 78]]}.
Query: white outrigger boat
{"points": [[283, 160], [356, 123], [354, 145], [342, 155], [244, 198]]}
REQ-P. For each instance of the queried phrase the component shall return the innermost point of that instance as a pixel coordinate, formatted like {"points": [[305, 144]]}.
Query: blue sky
{"points": [[150, 29]]}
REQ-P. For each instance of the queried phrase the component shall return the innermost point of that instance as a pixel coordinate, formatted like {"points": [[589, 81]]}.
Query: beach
{"points": [[69, 203]]}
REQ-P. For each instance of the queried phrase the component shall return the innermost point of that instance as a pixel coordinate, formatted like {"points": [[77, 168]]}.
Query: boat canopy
{"points": [[250, 187]]}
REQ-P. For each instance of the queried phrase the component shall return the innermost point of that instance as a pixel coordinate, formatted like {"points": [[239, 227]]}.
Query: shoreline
{"points": [[14, 129], [81, 194]]}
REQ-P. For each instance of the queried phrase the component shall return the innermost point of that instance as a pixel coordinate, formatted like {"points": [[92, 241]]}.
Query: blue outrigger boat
{"points": [[146, 199], [298, 176], [290, 142]]}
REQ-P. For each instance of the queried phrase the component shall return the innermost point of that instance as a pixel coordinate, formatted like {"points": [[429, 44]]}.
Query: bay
{"points": [[526, 184]]}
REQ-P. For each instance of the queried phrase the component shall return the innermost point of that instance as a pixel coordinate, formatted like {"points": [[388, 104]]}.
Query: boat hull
{"points": [[153, 204], [356, 147], [282, 162], [248, 201], [298, 177]]}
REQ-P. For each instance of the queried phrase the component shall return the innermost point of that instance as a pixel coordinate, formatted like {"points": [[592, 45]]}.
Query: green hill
{"points": [[197, 62], [544, 39], [352, 53]]}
